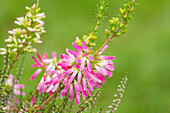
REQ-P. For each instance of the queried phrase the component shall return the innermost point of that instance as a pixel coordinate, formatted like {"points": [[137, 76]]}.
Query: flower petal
{"points": [[35, 74]]}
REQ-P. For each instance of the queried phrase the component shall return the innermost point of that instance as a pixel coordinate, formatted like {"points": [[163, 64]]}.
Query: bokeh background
{"points": [[143, 54]]}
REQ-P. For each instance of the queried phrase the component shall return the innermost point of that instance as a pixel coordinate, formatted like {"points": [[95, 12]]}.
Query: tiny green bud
{"points": [[121, 11], [111, 21], [125, 16], [118, 34], [101, 7], [107, 31], [27, 8], [92, 36], [84, 37], [117, 20], [99, 15], [113, 28], [37, 10], [78, 41], [125, 5], [33, 7]]}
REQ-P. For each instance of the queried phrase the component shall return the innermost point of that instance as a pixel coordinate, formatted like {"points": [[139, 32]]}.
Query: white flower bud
{"points": [[17, 22]]}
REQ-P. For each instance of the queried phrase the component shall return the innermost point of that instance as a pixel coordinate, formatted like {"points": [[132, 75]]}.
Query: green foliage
{"points": [[89, 39], [3, 77], [119, 26], [90, 101], [20, 39]]}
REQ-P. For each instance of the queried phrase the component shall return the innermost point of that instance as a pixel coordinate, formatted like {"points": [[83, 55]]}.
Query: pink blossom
{"points": [[17, 87], [48, 66], [83, 72]]}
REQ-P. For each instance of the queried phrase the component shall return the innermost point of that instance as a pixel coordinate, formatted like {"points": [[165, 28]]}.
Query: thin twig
{"points": [[21, 47], [33, 95], [112, 34], [52, 96]]}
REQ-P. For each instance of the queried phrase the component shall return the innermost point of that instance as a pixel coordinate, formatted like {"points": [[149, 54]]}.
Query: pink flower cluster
{"points": [[11, 82], [17, 87], [79, 71]]}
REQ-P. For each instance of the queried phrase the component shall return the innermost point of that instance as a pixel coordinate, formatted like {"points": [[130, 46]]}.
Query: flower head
{"points": [[46, 65], [17, 87], [82, 71]]}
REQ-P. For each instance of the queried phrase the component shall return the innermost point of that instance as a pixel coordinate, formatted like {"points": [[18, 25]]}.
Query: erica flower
{"points": [[17, 87], [46, 65], [82, 71]]}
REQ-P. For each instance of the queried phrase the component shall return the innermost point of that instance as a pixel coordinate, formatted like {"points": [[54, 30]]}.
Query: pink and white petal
{"points": [[110, 67], [73, 76], [89, 65], [36, 61], [77, 87], [68, 71], [50, 88], [91, 87], [59, 80], [109, 73], [77, 48], [73, 53], [17, 92], [16, 100], [79, 61], [45, 56], [64, 92], [49, 67], [32, 100], [35, 74], [41, 83], [100, 76], [77, 66], [107, 62], [98, 85], [71, 92], [77, 97], [63, 64], [85, 46], [82, 64], [95, 79], [79, 77], [89, 92], [55, 88], [90, 57], [84, 84], [35, 65], [107, 57], [100, 70], [83, 95], [54, 55], [47, 60], [40, 58], [52, 80], [19, 86]]}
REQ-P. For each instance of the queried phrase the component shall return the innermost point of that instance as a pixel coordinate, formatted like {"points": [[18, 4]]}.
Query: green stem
{"points": [[114, 33]]}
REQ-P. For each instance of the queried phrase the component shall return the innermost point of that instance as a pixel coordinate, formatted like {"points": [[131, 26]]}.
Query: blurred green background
{"points": [[142, 54]]}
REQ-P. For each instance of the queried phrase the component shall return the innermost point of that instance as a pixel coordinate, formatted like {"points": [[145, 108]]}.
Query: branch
{"points": [[108, 40], [52, 96]]}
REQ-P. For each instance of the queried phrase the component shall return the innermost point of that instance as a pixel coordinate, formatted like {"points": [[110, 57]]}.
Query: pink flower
{"points": [[17, 87], [32, 100], [82, 71], [48, 66]]}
